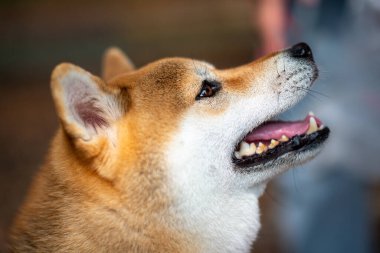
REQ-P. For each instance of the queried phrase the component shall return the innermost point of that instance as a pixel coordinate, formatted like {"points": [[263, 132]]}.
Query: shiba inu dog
{"points": [[171, 157]]}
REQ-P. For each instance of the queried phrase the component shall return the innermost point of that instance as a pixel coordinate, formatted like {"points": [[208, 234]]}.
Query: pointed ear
{"points": [[86, 106], [115, 62]]}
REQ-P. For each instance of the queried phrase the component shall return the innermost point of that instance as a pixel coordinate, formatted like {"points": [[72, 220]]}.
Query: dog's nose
{"points": [[301, 50]]}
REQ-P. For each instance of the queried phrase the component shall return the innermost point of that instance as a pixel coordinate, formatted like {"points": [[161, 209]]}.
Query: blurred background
{"points": [[330, 205]]}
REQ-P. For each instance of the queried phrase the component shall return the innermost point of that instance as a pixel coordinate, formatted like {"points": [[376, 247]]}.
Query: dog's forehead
{"points": [[174, 70]]}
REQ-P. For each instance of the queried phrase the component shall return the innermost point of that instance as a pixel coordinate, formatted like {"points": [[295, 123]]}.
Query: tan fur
{"points": [[93, 195]]}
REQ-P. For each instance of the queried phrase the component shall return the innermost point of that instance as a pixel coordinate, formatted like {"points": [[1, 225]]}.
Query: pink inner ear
{"points": [[90, 114], [85, 102]]}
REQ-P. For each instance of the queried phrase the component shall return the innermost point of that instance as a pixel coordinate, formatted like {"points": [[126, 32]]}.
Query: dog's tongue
{"points": [[276, 129]]}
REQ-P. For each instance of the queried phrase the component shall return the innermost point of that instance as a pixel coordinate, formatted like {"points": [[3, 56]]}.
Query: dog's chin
{"points": [[300, 141]]}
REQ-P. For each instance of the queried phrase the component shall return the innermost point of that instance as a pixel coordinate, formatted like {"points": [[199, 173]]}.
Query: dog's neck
{"points": [[222, 222]]}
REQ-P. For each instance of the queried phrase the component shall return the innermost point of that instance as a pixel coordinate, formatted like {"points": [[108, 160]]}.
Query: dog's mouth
{"points": [[273, 139]]}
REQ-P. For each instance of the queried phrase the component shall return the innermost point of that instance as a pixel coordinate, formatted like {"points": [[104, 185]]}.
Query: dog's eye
{"points": [[209, 89]]}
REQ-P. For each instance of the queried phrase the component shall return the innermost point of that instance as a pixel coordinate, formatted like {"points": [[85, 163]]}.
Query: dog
{"points": [[171, 157]]}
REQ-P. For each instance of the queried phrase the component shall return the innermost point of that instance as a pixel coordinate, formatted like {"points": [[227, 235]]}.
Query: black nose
{"points": [[301, 50]]}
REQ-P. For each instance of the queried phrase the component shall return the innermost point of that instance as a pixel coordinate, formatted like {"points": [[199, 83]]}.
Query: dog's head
{"points": [[202, 134]]}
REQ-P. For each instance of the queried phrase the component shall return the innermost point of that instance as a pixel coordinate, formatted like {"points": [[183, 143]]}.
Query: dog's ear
{"points": [[115, 62], [86, 106]]}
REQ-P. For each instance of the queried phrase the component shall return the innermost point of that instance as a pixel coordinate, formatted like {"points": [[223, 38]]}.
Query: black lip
{"points": [[297, 143]]}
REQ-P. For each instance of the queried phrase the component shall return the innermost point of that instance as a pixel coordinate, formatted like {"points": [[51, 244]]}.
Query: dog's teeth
{"points": [[284, 138], [243, 147], [311, 113], [252, 148], [261, 148], [321, 127], [313, 127], [273, 144], [237, 155], [247, 149]]}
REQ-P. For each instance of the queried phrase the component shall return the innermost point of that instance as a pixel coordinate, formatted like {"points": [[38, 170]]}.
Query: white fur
{"points": [[214, 202]]}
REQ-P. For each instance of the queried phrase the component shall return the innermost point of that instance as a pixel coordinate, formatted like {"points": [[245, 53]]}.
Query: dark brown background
{"points": [[37, 35]]}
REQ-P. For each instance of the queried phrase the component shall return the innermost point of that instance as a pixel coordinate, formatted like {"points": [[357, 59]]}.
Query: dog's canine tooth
{"points": [[261, 148], [313, 127], [284, 138], [321, 127], [273, 144], [237, 155]]}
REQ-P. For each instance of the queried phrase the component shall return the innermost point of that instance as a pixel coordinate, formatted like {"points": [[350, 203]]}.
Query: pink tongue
{"points": [[275, 129]]}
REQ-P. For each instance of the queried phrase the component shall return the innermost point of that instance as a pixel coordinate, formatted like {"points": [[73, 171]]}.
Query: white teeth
{"points": [[261, 148], [284, 138], [321, 127], [247, 149], [313, 127], [237, 155], [252, 148], [273, 144], [311, 113], [244, 147]]}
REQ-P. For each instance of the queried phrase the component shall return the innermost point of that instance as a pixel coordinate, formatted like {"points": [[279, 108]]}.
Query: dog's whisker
{"points": [[309, 92], [318, 92], [321, 95], [295, 181]]}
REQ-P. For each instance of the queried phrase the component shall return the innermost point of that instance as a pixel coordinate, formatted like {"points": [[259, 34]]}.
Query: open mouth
{"points": [[273, 139]]}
